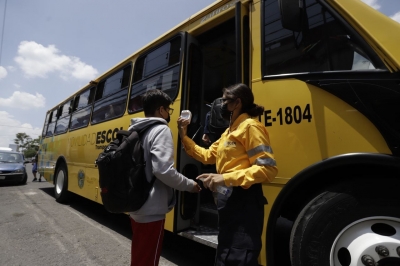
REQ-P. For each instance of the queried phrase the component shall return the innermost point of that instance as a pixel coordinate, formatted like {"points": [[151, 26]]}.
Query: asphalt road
{"points": [[36, 230]]}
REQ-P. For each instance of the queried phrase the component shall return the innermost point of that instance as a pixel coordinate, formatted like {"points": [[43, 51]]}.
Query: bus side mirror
{"points": [[291, 12]]}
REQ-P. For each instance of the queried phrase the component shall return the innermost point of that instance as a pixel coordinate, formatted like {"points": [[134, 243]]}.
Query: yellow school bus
{"points": [[327, 73]]}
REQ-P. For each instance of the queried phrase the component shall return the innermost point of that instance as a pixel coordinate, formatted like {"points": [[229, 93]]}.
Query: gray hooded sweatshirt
{"points": [[159, 155]]}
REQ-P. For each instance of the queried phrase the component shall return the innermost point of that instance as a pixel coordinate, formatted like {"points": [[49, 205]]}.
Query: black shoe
{"points": [[40, 180], [35, 179]]}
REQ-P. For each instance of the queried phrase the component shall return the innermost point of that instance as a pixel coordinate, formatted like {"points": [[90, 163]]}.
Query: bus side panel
{"points": [[84, 147], [52, 148], [307, 124]]}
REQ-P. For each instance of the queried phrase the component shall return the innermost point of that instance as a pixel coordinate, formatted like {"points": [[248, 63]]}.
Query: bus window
{"points": [[157, 70], [46, 123], [62, 122], [322, 43], [81, 109], [167, 82], [111, 96], [52, 123]]}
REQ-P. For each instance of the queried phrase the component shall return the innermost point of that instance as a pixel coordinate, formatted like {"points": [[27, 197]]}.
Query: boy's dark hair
{"points": [[154, 99]]}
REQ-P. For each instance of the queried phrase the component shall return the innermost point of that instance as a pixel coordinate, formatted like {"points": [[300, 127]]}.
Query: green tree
{"points": [[22, 140], [31, 148], [30, 153]]}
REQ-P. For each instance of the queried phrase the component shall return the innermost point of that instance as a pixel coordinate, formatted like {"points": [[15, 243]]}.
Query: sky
{"points": [[50, 49]]}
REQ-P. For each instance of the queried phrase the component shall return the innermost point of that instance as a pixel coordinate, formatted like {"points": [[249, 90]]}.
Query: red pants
{"points": [[147, 241]]}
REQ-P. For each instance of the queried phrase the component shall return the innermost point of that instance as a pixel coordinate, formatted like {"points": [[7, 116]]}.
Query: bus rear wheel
{"points": [[61, 192], [345, 228]]}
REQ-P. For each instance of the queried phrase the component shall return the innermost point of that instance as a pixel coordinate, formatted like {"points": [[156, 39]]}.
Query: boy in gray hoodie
{"points": [[148, 222]]}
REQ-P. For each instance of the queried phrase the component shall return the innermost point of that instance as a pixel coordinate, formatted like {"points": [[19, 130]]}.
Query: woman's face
{"points": [[228, 101]]}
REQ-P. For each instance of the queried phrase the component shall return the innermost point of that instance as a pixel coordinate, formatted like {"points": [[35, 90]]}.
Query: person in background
{"points": [[244, 160], [206, 131], [34, 171], [148, 222]]}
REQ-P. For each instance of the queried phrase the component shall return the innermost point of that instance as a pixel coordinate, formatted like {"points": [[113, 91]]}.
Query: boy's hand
{"points": [[211, 181], [196, 189]]}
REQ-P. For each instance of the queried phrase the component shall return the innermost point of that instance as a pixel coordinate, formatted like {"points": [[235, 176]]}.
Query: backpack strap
{"points": [[140, 132], [144, 129], [122, 134]]}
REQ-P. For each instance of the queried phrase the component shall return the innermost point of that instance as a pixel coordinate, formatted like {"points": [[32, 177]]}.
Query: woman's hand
{"points": [[211, 181], [182, 127]]}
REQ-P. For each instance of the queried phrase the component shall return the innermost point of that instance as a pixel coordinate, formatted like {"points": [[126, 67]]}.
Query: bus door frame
{"points": [[188, 204]]}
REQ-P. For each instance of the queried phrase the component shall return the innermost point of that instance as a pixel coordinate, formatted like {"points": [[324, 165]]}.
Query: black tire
{"points": [[324, 224], [61, 192], [23, 182]]}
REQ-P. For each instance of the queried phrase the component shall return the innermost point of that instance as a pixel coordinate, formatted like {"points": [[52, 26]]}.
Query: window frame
{"points": [[374, 58], [46, 124], [61, 115], [112, 96], [52, 112], [76, 109], [156, 74]]}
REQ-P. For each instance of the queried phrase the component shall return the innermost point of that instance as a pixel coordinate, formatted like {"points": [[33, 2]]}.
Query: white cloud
{"points": [[9, 127], [11, 68], [3, 72], [396, 17], [372, 3], [37, 60], [23, 100]]}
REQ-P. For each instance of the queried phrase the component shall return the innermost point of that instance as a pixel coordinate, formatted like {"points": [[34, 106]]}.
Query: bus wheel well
{"points": [[61, 192], [351, 178], [338, 177], [59, 162]]}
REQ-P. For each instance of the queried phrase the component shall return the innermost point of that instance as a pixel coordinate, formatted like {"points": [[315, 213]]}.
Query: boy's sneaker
{"points": [[35, 179], [40, 180]]}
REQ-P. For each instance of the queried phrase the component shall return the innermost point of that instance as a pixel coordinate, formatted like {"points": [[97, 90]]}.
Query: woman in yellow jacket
{"points": [[244, 159]]}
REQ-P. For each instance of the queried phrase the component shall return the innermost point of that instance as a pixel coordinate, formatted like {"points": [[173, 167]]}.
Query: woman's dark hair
{"points": [[243, 92], [154, 99]]}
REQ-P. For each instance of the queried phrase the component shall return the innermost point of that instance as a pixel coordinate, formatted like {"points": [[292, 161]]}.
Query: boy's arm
{"points": [[162, 158]]}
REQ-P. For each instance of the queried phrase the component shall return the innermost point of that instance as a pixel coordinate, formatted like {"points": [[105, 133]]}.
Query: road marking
{"points": [[37, 218], [59, 244]]}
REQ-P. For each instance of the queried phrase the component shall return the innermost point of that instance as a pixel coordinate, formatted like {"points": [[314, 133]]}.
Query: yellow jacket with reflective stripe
{"points": [[243, 153]]}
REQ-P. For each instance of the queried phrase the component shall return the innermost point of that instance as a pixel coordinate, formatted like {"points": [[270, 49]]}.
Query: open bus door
{"points": [[214, 59]]}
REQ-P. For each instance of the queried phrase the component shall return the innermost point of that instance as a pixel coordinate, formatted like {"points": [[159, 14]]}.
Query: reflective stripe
{"points": [[265, 162], [259, 149]]}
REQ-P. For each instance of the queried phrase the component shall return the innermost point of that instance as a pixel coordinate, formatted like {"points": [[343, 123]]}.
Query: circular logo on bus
{"points": [[81, 178]]}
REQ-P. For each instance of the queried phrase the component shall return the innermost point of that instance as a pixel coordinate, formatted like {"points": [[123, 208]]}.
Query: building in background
{"points": [[14, 147]]}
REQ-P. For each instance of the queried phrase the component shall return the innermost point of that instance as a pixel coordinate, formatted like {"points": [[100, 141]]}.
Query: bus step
{"points": [[209, 207], [203, 234], [208, 215]]}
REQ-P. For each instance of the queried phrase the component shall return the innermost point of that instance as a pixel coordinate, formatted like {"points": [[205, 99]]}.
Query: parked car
{"points": [[12, 167]]}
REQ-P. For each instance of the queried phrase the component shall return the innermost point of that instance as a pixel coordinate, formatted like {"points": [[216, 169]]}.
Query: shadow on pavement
{"points": [[119, 223], [176, 249]]}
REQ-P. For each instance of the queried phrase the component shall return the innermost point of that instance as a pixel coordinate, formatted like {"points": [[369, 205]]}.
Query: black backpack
{"points": [[123, 183], [217, 124]]}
